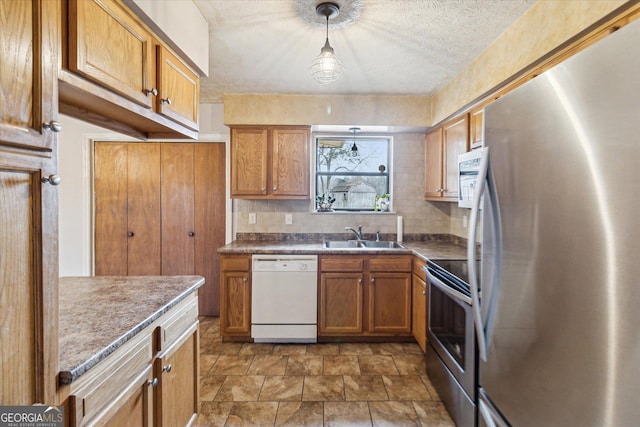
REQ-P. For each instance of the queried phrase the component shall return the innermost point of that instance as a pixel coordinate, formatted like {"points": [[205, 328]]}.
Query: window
{"points": [[353, 182]]}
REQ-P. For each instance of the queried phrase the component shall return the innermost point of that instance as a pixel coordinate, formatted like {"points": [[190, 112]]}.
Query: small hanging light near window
{"points": [[354, 147], [327, 67]]}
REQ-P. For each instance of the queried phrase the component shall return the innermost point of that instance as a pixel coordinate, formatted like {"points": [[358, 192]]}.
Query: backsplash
{"points": [[419, 216]]}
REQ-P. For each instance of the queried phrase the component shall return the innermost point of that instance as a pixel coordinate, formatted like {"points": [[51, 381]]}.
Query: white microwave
{"points": [[468, 171]]}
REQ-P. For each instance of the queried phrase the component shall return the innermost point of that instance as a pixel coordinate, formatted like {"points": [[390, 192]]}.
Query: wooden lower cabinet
{"points": [[419, 303], [177, 370], [151, 380], [235, 297], [364, 295]]}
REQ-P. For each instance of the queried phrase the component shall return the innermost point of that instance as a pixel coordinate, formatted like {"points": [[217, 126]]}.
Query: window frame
{"points": [[348, 139]]}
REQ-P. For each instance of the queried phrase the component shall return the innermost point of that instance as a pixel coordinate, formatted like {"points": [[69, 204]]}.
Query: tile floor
{"points": [[368, 384]]}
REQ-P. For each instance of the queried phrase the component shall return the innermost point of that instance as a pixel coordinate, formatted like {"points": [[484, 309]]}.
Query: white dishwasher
{"points": [[284, 298]]}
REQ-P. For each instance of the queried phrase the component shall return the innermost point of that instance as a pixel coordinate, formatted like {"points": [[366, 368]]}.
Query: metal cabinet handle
{"points": [[264, 188], [424, 292], [53, 126], [360, 280], [167, 368], [373, 281], [153, 91], [191, 234], [166, 100], [275, 188], [153, 383], [130, 234], [52, 179], [245, 280]]}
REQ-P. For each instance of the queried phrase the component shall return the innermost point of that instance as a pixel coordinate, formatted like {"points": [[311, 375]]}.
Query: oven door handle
{"points": [[448, 290]]}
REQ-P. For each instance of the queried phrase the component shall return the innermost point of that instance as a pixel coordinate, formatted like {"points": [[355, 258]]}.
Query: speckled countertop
{"points": [[429, 247], [99, 314]]}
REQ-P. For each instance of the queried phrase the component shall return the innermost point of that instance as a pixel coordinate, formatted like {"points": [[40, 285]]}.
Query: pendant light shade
{"points": [[354, 147], [327, 67]]}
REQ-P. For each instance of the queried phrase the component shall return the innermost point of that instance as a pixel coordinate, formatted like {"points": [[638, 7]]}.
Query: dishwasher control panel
{"points": [[285, 263]]}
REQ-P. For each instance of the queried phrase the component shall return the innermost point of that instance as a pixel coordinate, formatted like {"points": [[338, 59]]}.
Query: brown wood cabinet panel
{"points": [[143, 214], [19, 328], [419, 304], [390, 263], [108, 47], [290, 162], [178, 89], [177, 207], [137, 408], [342, 263], [209, 219], [235, 296], [249, 148], [456, 142], [476, 128], [178, 373], [390, 302], [340, 303], [110, 189], [433, 165], [29, 51]]}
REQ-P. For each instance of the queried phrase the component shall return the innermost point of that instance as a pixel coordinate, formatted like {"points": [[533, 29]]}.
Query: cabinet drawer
{"points": [[390, 263], [341, 263], [418, 268], [236, 263], [185, 314], [103, 387]]}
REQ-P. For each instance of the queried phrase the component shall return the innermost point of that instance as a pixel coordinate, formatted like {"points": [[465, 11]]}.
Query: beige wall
{"points": [[326, 110], [545, 26]]}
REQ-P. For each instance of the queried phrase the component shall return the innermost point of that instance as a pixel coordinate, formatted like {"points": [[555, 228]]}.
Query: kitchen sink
{"points": [[363, 244]]}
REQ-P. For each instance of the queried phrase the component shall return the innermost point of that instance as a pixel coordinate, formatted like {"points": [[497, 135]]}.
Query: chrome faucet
{"points": [[357, 233]]}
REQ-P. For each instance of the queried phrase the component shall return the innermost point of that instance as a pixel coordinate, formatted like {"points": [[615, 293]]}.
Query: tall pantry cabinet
{"points": [[28, 202], [159, 210]]}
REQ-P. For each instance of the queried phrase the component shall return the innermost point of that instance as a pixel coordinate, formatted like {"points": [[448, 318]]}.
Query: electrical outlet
{"points": [[252, 218], [465, 221], [288, 219]]}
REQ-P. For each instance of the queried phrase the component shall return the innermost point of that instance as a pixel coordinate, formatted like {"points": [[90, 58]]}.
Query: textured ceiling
{"points": [[389, 47]]}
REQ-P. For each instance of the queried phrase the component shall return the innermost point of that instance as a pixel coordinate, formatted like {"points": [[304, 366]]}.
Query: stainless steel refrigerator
{"points": [[558, 312]]}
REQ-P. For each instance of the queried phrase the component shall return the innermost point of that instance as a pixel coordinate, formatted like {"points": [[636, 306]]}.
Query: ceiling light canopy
{"points": [[327, 67]]}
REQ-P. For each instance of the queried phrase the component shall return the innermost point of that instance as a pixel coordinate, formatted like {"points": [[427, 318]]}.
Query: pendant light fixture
{"points": [[354, 147], [327, 67]]}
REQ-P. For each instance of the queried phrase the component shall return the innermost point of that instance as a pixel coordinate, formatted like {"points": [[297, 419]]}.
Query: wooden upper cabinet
{"points": [[117, 73], [449, 141], [290, 162], [476, 128], [178, 89], [433, 165], [270, 162], [109, 48], [29, 51], [249, 162]]}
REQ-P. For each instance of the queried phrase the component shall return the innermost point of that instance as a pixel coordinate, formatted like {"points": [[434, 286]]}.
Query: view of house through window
{"points": [[352, 178]]}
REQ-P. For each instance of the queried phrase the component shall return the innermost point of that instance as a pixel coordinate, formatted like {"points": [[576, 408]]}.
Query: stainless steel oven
{"points": [[451, 351]]}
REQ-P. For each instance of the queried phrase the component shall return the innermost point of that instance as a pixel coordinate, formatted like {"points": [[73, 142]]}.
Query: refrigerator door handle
{"points": [[484, 327]]}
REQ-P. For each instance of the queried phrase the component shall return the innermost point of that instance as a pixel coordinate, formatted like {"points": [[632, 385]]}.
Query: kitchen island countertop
{"points": [[99, 314]]}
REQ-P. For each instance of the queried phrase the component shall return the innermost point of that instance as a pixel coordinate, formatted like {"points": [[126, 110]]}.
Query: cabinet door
{"points": [[390, 302], [177, 210], [341, 301], [178, 373], [419, 311], [135, 404], [476, 128], [29, 284], [290, 163], [235, 304], [109, 48], [433, 165], [249, 162], [210, 220], [178, 89], [28, 72], [143, 214], [456, 142], [110, 176]]}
